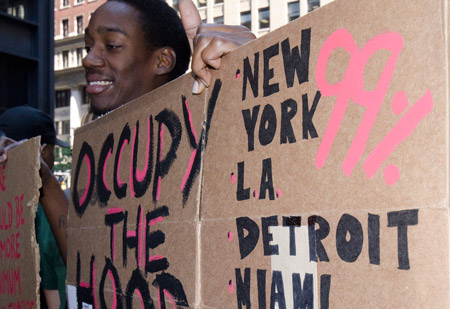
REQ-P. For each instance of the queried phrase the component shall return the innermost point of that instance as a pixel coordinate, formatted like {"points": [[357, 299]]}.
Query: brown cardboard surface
{"points": [[324, 180], [19, 252], [302, 187], [161, 220]]}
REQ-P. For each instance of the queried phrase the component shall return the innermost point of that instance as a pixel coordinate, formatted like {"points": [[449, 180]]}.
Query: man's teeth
{"points": [[101, 83]]}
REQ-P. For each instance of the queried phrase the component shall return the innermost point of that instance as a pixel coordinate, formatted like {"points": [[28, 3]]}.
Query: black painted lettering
{"points": [[316, 248], [267, 125], [288, 111], [251, 77], [137, 282], [266, 180], [308, 114], [250, 124], [401, 220], [201, 145], [85, 294], [303, 296], [103, 192], [166, 282], [374, 239], [125, 239], [140, 186], [86, 154], [261, 276], [153, 239], [267, 237], [325, 284], [294, 62], [292, 223], [277, 291], [241, 193], [170, 120], [114, 275], [131, 241], [120, 187], [269, 89], [349, 250], [111, 220], [247, 243], [243, 288]]}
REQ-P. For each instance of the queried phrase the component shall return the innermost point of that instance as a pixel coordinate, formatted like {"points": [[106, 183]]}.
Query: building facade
{"points": [[26, 54], [260, 16], [71, 101], [72, 17]]}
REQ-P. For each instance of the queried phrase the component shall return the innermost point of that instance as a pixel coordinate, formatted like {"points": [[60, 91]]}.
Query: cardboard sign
{"points": [[19, 252], [133, 219], [311, 174]]}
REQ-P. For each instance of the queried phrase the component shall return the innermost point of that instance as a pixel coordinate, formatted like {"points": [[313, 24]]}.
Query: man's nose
{"points": [[93, 59]]}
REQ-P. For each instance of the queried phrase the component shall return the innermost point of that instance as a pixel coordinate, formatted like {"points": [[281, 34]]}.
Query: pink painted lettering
{"points": [[352, 87]]}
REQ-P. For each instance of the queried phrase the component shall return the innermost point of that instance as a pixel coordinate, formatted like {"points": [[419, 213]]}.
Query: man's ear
{"points": [[166, 60]]}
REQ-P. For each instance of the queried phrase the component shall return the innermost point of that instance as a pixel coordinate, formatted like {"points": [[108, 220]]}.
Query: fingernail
{"points": [[204, 83], [195, 87]]}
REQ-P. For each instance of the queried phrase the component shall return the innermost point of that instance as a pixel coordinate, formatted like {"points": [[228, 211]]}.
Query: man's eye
{"points": [[112, 46], [87, 48]]}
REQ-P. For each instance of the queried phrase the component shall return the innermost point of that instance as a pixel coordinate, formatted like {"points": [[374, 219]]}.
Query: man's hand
{"points": [[209, 42]]}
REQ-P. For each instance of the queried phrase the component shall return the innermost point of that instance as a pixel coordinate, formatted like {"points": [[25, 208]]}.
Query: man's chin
{"points": [[101, 108]]}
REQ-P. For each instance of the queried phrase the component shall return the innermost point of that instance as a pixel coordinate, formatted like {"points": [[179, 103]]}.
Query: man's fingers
{"points": [[4, 151], [190, 18], [210, 47], [5, 145], [198, 87]]}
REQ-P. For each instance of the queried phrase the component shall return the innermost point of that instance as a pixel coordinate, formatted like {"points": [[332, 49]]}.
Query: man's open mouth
{"points": [[100, 82], [98, 86]]}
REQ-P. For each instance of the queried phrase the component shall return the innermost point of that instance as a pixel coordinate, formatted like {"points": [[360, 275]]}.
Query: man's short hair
{"points": [[163, 27]]}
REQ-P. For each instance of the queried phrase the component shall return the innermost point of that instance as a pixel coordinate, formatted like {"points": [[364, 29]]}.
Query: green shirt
{"points": [[53, 271]]}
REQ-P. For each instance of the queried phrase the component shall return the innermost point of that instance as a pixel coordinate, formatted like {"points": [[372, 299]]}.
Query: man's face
{"points": [[119, 64]]}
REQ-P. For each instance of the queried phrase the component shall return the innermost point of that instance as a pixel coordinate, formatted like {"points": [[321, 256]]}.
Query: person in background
{"points": [[25, 122]]}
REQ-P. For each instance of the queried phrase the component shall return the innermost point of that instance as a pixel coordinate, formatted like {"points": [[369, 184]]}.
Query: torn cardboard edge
{"points": [[25, 149]]}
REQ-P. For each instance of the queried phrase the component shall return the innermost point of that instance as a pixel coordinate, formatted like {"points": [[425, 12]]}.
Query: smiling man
{"points": [[135, 46], [132, 48]]}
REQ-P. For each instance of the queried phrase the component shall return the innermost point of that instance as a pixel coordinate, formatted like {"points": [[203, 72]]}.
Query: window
{"points": [[293, 10], [65, 127], [218, 1], [80, 28], [218, 20], [16, 10], [313, 4], [65, 26], [62, 98], [79, 1], [202, 3], [79, 56], [264, 18], [65, 55], [65, 3], [246, 19]]}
